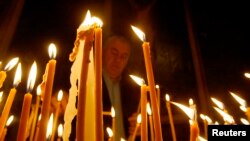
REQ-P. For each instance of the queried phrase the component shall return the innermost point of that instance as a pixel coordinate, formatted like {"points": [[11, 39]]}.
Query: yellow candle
{"points": [[10, 119], [194, 130], [50, 71], [33, 126], [152, 136], [248, 113], [10, 99], [151, 83], [59, 98], [98, 83], [2, 77], [170, 117], [144, 126], [21, 135]]}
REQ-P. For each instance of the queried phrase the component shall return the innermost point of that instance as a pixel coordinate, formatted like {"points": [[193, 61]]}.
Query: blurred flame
{"points": [[138, 80], [167, 97], [188, 111], [244, 121], [112, 112], [149, 109], [60, 130], [218, 103], [52, 51], [247, 75], [32, 77], [9, 121], [60, 95], [191, 102], [50, 126], [38, 90], [139, 119], [1, 96], [11, 64], [18, 75], [226, 116], [110, 132], [240, 100], [139, 33], [87, 20], [97, 21]]}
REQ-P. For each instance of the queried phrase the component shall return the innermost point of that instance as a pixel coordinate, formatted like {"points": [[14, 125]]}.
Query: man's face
{"points": [[116, 56]]}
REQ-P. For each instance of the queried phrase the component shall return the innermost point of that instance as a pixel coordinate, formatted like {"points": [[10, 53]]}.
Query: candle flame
{"points": [[139, 119], [110, 132], [157, 86], [18, 75], [1, 96], [122, 139], [112, 112], [52, 51], [96, 21], [244, 121], [9, 121], [201, 138], [247, 75], [167, 97], [60, 95], [149, 109], [138, 80], [240, 100], [188, 111], [218, 103], [243, 108], [50, 126], [32, 77], [205, 117], [60, 130], [191, 102], [139, 33], [11, 64], [38, 90], [87, 20], [39, 117], [226, 116]]}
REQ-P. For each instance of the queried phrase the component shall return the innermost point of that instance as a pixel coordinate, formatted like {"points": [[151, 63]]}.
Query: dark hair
{"points": [[120, 38]]}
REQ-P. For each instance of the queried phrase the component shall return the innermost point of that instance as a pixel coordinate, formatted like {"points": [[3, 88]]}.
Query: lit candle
{"points": [[88, 36], [206, 121], [110, 133], [170, 116], [242, 102], [98, 79], [136, 127], [220, 106], [158, 97], [33, 126], [8, 67], [9, 121], [244, 121], [194, 129], [50, 72], [59, 132], [228, 119], [50, 127], [193, 106], [21, 135], [10, 99], [59, 98], [150, 122], [151, 83], [113, 121], [141, 82]]}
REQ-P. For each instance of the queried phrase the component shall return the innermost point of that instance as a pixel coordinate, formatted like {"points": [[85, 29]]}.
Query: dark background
{"points": [[221, 32]]}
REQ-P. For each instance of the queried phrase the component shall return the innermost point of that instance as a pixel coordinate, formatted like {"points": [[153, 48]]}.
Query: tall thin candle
{"points": [[50, 72], [10, 99], [170, 117], [21, 135], [152, 135], [151, 83]]}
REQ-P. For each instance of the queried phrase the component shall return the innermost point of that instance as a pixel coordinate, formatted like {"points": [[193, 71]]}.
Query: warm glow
{"points": [[9, 121], [205, 117], [188, 111], [11, 64], [139, 33], [247, 75], [32, 77], [167, 97], [138, 80], [216, 123], [201, 138], [50, 126], [191, 102], [1, 96], [243, 108], [149, 109], [244, 121], [60, 130], [122, 139], [218, 103], [112, 112], [139, 119], [226, 116], [38, 90], [240, 100], [60, 95], [39, 117], [87, 20], [52, 51], [157, 86], [18, 75], [110, 132], [96, 21]]}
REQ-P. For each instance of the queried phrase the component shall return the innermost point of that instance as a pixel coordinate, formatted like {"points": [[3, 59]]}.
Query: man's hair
{"points": [[120, 38]]}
